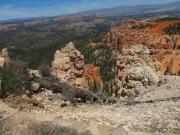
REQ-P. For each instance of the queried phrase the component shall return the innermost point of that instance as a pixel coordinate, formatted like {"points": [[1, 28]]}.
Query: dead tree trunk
{"points": [[73, 94]]}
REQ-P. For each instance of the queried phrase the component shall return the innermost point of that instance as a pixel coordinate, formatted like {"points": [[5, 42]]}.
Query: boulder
{"points": [[139, 88], [145, 74], [35, 86], [34, 73], [166, 79], [140, 49]]}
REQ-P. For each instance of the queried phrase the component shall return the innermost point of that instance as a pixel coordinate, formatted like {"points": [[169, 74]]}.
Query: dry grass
{"points": [[48, 128]]}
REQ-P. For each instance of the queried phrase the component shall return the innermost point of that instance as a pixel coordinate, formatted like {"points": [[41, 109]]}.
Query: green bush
{"points": [[101, 56], [173, 29], [168, 19], [14, 78], [95, 88], [130, 94]]}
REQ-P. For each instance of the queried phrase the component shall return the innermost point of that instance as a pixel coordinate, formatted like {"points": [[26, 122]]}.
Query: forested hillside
{"points": [[36, 43]]}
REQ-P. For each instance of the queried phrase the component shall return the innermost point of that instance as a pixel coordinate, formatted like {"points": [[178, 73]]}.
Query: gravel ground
{"points": [[159, 117]]}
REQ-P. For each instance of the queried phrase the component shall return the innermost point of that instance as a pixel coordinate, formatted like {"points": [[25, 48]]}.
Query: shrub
{"points": [[95, 88], [130, 94], [44, 70], [103, 58], [167, 19], [173, 29], [87, 132], [15, 78], [47, 128], [101, 55], [3, 128]]}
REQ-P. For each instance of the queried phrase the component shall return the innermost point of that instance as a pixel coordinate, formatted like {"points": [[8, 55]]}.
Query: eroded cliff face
{"points": [[68, 65], [170, 63], [143, 54], [163, 48], [139, 67], [123, 35]]}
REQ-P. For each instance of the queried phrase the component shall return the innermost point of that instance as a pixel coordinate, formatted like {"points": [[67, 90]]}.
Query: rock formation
{"points": [[171, 63], [143, 74], [174, 65], [68, 65], [92, 75], [135, 68], [143, 53], [130, 37], [4, 57], [140, 66]]}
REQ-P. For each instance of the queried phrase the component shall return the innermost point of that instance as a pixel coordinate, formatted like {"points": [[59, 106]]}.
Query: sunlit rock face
{"points": [[68, 65], [4, 57]]}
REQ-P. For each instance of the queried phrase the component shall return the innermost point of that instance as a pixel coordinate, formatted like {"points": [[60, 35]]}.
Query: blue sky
{"points": [[10, 9]]}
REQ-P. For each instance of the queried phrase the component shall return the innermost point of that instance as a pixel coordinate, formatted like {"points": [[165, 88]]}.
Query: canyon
{"points": [[131, 86]]}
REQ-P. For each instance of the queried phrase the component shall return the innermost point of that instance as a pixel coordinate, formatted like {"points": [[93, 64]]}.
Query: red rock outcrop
{"points": [[126, 37], [174, 66], [162, 55], [92, 75], [177, 43], [171, 64], [158, 26]]}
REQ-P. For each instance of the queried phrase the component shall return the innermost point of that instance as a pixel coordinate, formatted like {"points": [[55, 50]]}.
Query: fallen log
{"points": [[71, 93]]}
